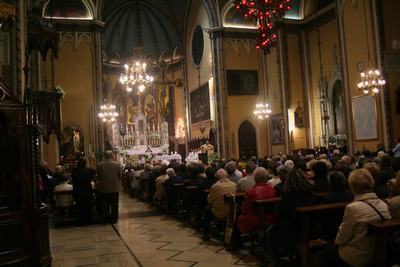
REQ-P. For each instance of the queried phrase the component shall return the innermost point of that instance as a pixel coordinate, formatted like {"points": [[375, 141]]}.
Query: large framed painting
{"points": [[242, 82], [277, 131], [365, 117], [200, 104]]}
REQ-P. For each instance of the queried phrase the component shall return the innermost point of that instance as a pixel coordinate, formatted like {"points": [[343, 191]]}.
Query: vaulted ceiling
{"points": [[155, 25]]}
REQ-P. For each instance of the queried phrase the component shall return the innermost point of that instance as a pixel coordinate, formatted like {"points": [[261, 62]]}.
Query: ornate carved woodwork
{"points": [[49, 121], [23, 226]]}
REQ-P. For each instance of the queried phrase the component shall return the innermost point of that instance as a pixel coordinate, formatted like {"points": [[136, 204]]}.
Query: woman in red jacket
{"points": [[250, 219]]}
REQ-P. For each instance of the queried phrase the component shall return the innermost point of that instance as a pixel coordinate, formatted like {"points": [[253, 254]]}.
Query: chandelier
{"points": [[266, 13], [107, 113], [262, 110], [136, 76], [371, 82]]}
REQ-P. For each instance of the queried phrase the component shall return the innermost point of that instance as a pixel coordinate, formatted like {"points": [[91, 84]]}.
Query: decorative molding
{"points": [[75, 38], [236, 44]]}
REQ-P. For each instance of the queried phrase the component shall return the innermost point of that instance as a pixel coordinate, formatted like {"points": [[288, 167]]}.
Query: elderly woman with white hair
{"points": [[353, 245], [250, 219]]}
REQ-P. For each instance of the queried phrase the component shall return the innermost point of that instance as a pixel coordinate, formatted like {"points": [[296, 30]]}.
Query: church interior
{"points": [[199, 133]]}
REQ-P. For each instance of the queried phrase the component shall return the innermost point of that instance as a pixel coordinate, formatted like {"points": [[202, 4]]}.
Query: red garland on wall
{"points": [[267, 13]]}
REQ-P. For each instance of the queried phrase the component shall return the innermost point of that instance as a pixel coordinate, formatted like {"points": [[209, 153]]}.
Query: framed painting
{"points": [[242, 82], [365, 117], [200, 104], [277, 131]]}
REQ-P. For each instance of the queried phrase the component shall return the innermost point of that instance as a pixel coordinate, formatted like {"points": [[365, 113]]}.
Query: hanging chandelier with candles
{"points": [[372, 80], [136, 77], [262, 110], [107, 113], [266, 13]]}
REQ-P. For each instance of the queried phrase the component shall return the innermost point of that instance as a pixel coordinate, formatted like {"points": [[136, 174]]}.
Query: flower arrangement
{"points": [[213, 157]]}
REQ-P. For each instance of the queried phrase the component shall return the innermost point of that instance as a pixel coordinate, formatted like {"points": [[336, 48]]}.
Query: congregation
{"points": [[367, 183]]}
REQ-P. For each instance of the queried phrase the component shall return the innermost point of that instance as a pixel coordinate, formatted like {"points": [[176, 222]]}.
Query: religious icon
{"points": [[299, 117], [277, 135], [150, 110]]}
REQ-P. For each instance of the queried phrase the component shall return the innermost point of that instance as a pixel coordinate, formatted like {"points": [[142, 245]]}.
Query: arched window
{"points": [[247, 140], [67, 9]]}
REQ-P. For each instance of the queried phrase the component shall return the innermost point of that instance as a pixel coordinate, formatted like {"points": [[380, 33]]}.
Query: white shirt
{"points": [[356, 247]]}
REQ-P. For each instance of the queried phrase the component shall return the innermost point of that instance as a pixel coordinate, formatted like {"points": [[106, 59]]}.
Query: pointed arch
{"points": [[247, 138]]}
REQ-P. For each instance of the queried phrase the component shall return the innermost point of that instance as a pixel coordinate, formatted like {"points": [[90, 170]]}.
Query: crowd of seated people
{"points": [[299, 181]]}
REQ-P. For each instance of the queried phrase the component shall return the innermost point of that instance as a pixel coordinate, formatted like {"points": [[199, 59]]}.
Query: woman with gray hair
{"points": [[353, 245], [250, 219]]}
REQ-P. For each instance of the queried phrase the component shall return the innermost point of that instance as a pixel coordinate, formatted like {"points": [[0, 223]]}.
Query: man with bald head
{"points": [[109, 176]]}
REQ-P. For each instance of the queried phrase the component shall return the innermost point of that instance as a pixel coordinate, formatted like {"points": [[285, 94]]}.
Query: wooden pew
{"points": [[179, 197], [264, 206], [382, 230], [306, 213], [233, 201]]}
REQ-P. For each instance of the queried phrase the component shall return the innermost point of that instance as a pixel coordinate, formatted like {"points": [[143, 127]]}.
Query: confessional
{"points": [[24, 229]]}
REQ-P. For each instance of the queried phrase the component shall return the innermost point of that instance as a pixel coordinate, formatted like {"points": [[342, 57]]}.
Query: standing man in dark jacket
{"points": [[82, 178], [109, 176]]}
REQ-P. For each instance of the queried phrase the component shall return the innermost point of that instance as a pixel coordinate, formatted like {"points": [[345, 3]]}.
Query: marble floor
{"points": [[140, 238]]}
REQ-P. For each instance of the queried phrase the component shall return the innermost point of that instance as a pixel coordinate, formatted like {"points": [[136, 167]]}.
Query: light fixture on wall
{"points": [[136, 77], [262, 111], [372, 80], [267, 13], [107, 113]]}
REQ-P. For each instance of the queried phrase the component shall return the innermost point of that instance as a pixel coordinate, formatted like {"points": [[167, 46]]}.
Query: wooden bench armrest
{"points": [[191, 187], [321, 207], [260, 202], [390, 225]]}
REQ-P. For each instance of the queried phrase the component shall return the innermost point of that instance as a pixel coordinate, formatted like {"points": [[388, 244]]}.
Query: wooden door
{"points": [[247, 138]]}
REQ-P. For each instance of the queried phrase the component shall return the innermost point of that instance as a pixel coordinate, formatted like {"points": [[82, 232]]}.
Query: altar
{"points": [[142, 139]]}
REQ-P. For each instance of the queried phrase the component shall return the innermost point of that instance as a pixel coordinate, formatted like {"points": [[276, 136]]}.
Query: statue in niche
{"points": [[76, 141], [72, 144], [338, 109]]}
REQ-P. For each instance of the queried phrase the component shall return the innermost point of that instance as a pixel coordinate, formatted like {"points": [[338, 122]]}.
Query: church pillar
{"points": [[346, 86], [307, 94], [264, 64], [98, 132], [220, 96], [383, 95], [283, 82]]}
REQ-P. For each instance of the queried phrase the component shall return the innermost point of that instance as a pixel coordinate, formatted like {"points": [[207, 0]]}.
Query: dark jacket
{"points": [[81, 179]]}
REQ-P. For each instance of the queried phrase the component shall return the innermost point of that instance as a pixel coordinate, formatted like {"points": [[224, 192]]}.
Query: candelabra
{"points": [[371, 82], [262, 111], [107, 113]]}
